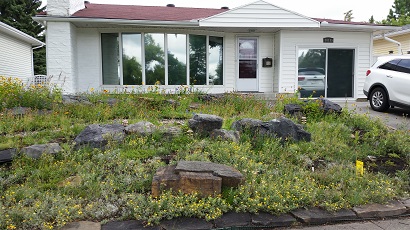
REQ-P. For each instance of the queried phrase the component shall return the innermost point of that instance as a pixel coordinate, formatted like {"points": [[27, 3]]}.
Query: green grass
{"points": [[116, 183]]}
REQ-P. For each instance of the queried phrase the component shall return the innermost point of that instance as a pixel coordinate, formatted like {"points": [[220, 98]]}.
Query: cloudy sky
{"points": [[332, 9]]}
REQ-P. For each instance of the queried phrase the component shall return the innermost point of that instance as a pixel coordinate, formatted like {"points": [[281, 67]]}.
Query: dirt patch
{"points": [[386, 164]]}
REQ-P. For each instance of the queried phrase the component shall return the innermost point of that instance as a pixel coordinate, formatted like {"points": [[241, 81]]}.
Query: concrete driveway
{"points": [[396, 118]]}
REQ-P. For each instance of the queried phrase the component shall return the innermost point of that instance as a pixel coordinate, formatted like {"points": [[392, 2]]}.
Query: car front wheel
{"points": [[378, 100]]}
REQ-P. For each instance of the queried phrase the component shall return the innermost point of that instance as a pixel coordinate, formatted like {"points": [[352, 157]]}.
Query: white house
{"points": [[16, 52], [258, 47]]}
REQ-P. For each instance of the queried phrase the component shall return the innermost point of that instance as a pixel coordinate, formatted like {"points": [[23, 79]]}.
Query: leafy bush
{"points": [[14, 93]]}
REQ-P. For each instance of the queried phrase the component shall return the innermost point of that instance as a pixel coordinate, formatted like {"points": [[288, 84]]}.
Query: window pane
{"points": [[404, 66], [248, 48], [215, 60], [247, 68], [311, 72], [154, 59], [197, 59], [131, 59], [110, 59], [391, 65], [177, 59]]}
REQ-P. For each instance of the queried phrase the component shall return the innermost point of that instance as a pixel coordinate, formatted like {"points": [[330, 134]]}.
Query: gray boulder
{"points": [[281, 128], [203, 124], [35, 151], [250, 125], [285, 128], [170, 132], [7, 155], [225, 135], [98, 136], [142, 128], [329, 106], [75, 99]]}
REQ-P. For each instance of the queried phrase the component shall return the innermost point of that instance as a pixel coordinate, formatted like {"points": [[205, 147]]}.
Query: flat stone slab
{"points": [[406, 203], [186, 224], [127, 225], [269, 220], [231, 177], [7, 155], [320, 216], [36, 151], [394, 208], [233, 219], [82, 225]]}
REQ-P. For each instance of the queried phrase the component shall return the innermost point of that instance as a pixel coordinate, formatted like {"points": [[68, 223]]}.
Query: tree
{"points": [[349, 16], [399, 15], [371, 20], [18, 14]]}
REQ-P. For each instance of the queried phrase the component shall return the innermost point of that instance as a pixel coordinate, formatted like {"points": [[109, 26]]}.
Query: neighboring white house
{"points": [[258, 47], [16, 52]]}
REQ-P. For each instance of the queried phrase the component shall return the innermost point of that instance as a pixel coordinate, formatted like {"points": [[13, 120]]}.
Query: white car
{"points": [[388, 83], [311, 82]]}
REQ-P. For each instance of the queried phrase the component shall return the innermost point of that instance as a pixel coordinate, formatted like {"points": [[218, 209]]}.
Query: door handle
{"points": [[389, 76]]}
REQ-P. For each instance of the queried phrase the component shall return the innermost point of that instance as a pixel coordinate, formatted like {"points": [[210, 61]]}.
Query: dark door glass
{"points": [[340, 73]]}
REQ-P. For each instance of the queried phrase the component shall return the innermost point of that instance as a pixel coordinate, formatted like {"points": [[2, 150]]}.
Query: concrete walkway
{"points": [[397, 118]]}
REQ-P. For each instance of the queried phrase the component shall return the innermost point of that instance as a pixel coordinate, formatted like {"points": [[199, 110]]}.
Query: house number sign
{"points": [[328, 40]]}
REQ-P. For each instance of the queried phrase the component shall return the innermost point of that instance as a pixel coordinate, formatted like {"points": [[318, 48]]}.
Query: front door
{"points": [[340, 72], [247, 80]]}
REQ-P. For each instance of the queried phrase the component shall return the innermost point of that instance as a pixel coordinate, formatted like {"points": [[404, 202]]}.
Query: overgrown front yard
{"points": [[115, 183]]}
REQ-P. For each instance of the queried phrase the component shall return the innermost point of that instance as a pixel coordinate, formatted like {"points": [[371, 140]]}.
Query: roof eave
{"points": [[371, 28], [21, 35], [193, 23], [392, 34]]}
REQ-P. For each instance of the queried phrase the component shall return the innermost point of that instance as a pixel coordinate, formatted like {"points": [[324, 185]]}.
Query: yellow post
{"points": [[359, 168]]}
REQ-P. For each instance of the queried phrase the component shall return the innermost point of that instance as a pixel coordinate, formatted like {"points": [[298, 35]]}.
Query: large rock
{"points": [[249, 125], [328, 106], [35, 151], [75, 99], [285, 128], [143, 128], [231, 177], [204, 178], [225, 135], [203, 124], [98, 136], [7, 155], [281, 128], [292, 109]]}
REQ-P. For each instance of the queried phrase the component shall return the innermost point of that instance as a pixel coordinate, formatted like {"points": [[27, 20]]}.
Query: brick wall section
{"points": [[61, 50]]}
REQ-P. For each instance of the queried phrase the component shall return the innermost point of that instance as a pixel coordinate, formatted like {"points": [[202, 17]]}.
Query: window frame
{"points": [[143, 59]]}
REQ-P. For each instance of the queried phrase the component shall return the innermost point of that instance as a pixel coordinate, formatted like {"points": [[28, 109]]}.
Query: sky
{"points": [[331, 9]]}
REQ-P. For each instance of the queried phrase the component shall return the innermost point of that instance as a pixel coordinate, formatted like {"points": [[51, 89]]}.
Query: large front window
{"points": [[157, 58]]}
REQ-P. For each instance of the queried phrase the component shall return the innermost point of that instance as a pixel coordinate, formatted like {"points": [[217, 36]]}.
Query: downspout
{"points": [[394, 41], [32, 54]]}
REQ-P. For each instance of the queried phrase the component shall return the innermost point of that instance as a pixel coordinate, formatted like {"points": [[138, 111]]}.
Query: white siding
{"points": [[292, 40], [276, 61], [15, 57], [259, 14], [61, 54], [230, 62], [266, 74]]}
